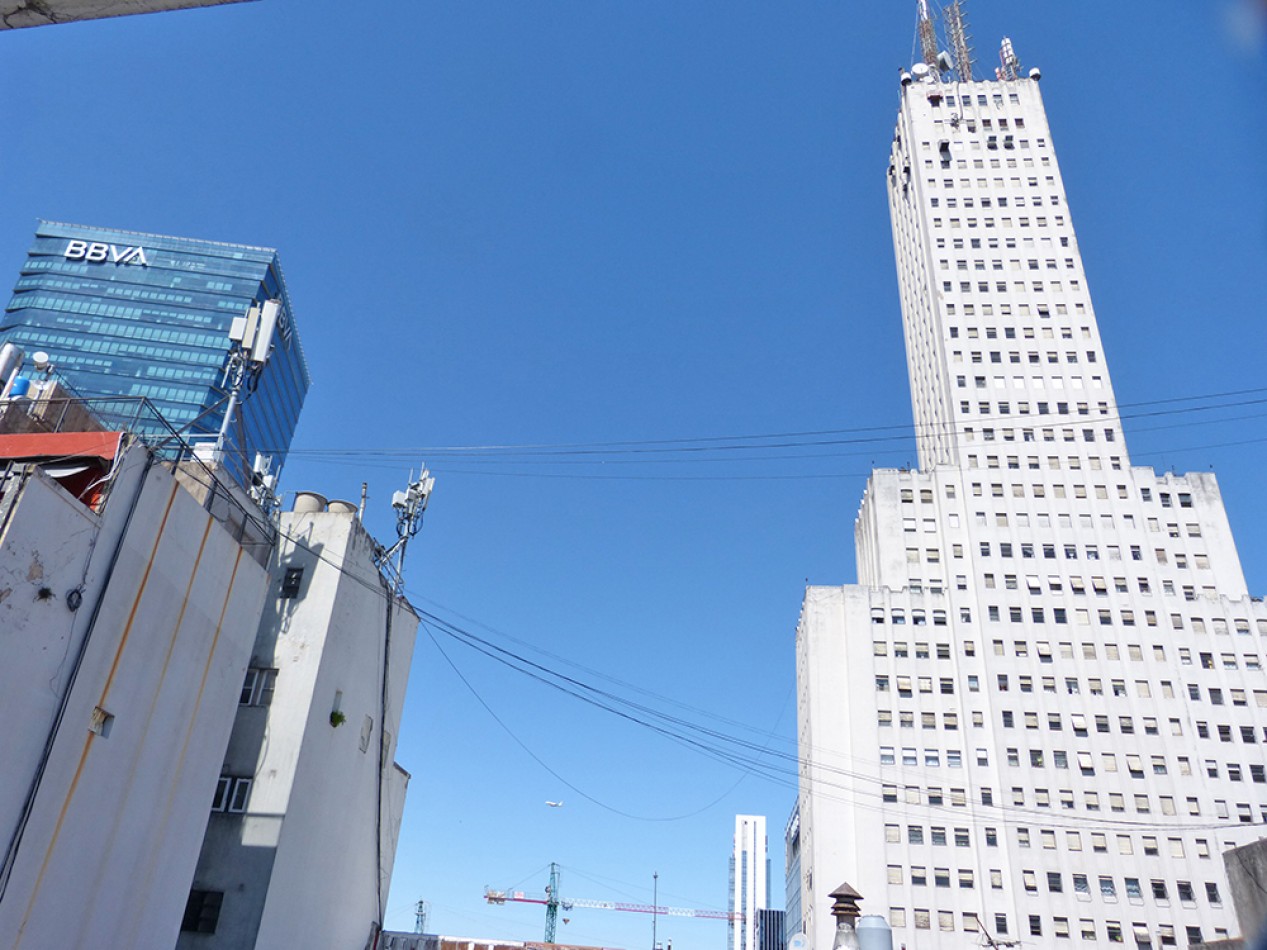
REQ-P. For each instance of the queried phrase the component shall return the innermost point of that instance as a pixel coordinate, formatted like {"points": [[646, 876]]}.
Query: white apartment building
{"points": [[128, 599], [203, 699], [1039, 715], [303, 825], [749, 880]]}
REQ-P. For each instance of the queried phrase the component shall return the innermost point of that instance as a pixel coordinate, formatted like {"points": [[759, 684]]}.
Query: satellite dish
{"points": [[919, 71], [798, 942]]}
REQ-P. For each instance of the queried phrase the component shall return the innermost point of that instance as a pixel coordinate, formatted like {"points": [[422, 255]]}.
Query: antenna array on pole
{"points": [[927, 36], [1009, 65], [409, 505], [957, 33]]}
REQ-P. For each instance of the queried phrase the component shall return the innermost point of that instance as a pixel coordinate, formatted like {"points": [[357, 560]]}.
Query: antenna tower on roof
{"points": [[927, 37], [1009, 65], [957, 33]]}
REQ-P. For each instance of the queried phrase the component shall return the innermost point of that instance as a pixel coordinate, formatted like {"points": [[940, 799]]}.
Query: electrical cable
{"points": [[665, 726], [903, 432], [532, 755]]}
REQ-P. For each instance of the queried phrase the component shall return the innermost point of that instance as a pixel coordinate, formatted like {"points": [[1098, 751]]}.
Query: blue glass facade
{"points": [[128, 314]]}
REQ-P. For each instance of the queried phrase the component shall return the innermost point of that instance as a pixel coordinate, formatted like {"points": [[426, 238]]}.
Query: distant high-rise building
{"points": [[1040, 713], [124, 314], [20, 13], [770, 929], [792, 922], [749, 880]]}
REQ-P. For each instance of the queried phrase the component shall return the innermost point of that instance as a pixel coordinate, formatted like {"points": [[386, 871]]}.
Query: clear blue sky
{"points": [[575, 221]]}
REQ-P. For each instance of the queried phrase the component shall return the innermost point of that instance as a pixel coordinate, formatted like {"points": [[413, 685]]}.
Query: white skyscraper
{"points": [[749, 871], [1040, 712]]}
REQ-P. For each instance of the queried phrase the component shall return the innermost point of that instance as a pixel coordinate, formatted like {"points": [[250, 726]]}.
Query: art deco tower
{"points": [[1040, 713]]}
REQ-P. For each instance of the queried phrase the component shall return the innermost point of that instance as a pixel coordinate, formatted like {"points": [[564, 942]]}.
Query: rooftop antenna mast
{"points": [[252, 337], [957, 32], [927, 36], [409, 506], [1009, 65]]}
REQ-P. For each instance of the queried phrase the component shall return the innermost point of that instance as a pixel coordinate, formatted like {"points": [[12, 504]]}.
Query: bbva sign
{"points": [[96, 253]]}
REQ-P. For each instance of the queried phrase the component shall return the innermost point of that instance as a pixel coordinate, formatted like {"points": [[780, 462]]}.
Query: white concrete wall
{"points": [[114, 832], [299, 867]]}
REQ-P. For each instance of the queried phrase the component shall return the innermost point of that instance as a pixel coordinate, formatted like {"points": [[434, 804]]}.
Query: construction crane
{"points": [[553, 902]]}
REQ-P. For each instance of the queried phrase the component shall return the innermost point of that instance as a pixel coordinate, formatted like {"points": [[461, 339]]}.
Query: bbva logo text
{"points": [[96, 253]]}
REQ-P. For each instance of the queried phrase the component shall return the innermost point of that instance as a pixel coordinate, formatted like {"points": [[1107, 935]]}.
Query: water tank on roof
{"points": [[11, 357], [874, 933], [21, 386], [341, 507], [309, 502]]}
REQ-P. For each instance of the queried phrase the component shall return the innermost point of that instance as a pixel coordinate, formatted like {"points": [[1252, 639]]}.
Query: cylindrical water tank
{"points": [[21, 386], [11, 357], [341, 507], [874, 933], [309, 502]]}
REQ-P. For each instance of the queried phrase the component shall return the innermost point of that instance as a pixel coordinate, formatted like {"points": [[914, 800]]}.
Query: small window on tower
{"points": [[292, 581], [202, 912]]}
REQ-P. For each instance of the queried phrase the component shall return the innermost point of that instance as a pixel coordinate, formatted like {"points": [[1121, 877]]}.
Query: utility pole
{"points": [[655, 905]]}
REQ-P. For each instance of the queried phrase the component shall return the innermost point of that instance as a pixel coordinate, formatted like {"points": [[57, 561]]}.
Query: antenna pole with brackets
{"points": [[409, 505], [252, 337], [957, 32]]}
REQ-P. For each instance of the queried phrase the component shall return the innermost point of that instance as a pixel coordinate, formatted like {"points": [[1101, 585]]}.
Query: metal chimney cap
{"points": [[845, 903]]}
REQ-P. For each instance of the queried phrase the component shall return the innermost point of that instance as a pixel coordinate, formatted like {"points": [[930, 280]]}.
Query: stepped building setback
{"points": [[1040, 713]]}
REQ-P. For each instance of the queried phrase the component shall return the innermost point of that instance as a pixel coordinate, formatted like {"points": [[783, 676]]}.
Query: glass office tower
{"points": [[124, 314]]}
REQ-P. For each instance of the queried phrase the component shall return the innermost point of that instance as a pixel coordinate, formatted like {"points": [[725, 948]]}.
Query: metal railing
{"points": [[215, 478]]}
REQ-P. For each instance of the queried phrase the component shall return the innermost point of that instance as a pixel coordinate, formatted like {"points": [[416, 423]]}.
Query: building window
{"points": [[257, 688], [232, 793], [202, 912], [292, 580]]}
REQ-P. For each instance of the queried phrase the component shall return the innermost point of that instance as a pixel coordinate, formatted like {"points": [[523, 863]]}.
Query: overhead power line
{"points": [[813, 437], [859, 784]]}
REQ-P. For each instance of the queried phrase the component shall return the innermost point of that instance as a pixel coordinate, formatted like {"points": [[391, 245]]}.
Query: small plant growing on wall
{"points": [[337, 718]]}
